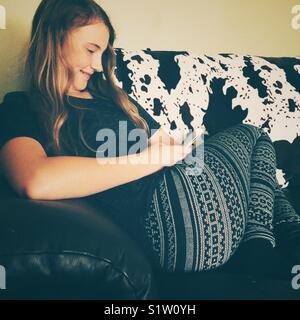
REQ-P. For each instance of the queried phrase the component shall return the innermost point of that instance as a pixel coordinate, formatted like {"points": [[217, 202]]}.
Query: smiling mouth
{"points": [[86, 75]]}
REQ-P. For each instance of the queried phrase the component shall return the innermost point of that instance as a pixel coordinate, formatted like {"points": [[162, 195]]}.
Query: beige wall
{"points": [[260, 27]]}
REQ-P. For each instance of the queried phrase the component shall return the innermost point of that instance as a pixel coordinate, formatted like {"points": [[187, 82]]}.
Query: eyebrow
{"points": [[94, 44]]}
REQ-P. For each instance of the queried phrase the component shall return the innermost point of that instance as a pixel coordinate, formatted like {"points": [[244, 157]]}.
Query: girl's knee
{"points": [[255, 130], [249, 126]]}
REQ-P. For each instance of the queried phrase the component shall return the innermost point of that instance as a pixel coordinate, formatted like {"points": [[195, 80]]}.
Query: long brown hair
{"points": [[49, 77]]}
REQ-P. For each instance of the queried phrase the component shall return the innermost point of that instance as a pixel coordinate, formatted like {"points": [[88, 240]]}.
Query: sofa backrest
{"points": [[184, 90]]}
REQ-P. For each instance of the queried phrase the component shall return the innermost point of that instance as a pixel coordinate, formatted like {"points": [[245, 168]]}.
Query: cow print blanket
{"points": [[185, 91]]}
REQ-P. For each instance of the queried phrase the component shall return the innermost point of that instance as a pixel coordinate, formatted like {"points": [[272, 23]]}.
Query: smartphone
{"points": [[197, 138]]}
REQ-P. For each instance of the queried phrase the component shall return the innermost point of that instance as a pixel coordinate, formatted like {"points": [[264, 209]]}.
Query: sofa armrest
{"points": [[68, 249]]}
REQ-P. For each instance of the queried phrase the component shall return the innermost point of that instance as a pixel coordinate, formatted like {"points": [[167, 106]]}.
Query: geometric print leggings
{"points": [[197, 222]]}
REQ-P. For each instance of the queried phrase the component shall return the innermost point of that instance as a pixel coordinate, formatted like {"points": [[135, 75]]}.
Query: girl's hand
{"points": [[161, 136]]}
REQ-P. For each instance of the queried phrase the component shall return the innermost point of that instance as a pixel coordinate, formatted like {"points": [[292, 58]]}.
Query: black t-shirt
{"points": [[17, 119], [125, 203]]}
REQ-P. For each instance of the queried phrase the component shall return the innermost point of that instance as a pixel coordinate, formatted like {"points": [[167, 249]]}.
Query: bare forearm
{"points": [[75, 177]]}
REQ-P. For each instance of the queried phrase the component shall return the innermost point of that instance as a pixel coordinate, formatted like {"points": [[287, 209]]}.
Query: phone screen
{"points": [[193, 139]]}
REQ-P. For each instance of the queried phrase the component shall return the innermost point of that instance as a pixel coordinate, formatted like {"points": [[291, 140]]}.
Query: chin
{"points": [[81, 88], [80, 84]]}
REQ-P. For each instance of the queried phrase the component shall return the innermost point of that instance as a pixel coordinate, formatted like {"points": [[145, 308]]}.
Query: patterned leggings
{"points": [[196, 222]]}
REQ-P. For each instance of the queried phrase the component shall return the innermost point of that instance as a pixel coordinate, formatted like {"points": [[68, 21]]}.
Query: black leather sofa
{"points": [[69, 249]]}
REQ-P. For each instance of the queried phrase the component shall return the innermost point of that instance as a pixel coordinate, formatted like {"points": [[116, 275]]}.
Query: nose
{"points": [[97, 62]]}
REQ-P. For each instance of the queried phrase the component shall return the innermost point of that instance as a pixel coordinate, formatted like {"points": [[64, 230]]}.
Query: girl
{"points": [[50, 150]]}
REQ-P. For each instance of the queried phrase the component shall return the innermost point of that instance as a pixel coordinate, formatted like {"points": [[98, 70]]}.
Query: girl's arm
{"points": [[34, 175]]}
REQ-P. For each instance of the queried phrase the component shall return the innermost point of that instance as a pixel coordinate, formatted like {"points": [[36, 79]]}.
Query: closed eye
{"points": [[91, 51]]}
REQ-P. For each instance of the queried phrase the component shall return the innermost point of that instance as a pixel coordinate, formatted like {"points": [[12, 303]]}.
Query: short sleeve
{"points": [[152, 123], [17, 119]]}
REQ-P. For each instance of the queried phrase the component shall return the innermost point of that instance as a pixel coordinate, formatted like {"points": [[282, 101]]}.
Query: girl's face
{"points": [[83, 52]]}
